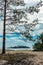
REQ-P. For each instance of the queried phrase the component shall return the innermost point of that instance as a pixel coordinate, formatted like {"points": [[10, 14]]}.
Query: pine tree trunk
{"points": [[3, 47]]}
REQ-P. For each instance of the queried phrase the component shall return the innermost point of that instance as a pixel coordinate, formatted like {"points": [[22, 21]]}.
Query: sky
{"points": [[16, 39], [39, 15], [27, 1]]}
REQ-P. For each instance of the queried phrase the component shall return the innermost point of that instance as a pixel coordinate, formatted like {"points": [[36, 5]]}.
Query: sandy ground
{"points": [[21, 58]]}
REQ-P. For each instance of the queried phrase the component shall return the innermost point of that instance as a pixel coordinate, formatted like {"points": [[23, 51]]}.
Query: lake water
{"points": [[16, 39]]}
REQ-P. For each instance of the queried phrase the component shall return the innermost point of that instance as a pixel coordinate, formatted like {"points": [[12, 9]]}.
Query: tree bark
{"points": [[3, 47]]}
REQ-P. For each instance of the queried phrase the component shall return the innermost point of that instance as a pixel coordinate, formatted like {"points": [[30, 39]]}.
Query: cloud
{"points": [[31, 1], [38, 29], [1, 27]]}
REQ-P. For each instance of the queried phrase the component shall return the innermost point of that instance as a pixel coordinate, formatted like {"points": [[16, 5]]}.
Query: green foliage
{"points": [[28, 36], [41, 37], [39, 45]]}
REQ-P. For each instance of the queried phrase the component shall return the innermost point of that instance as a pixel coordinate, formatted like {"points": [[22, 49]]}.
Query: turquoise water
{"points": [[16, 39]]}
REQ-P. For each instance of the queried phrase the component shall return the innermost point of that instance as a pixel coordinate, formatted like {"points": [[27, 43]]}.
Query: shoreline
{"points": [[22, 58]]}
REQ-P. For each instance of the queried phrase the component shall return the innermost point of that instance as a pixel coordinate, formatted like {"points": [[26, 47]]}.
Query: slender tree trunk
{"points": [[3, 47]]}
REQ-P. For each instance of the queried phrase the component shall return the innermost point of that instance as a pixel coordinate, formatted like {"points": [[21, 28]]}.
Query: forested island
{"points": [[20, 47]]}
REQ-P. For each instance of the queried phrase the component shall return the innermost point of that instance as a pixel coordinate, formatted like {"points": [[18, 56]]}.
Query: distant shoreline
{"points": [[19, 47]]}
